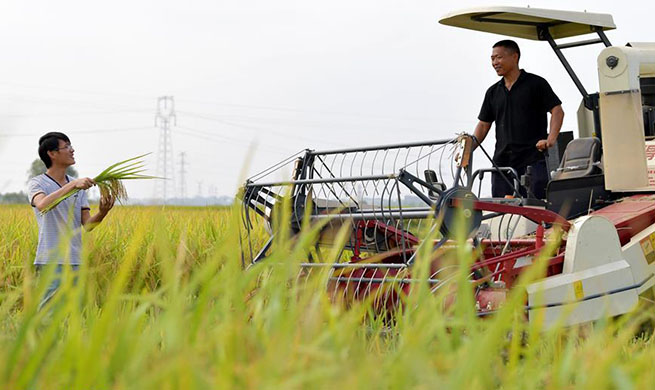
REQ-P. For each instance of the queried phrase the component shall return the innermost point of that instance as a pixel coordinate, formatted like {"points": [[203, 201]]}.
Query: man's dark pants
{"points": [[539, 179], [56, 280]]}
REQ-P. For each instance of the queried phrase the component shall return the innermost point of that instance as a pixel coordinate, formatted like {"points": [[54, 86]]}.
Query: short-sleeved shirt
{"points": [[520, 117], [60, 234]]}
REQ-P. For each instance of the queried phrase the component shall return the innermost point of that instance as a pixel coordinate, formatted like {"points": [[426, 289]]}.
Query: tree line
{"points": [[36, 168]]}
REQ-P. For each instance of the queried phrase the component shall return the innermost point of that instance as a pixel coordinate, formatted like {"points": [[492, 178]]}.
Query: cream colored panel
{"points": [[650, 160], [592, 241], [649, 148], [624, 155], [630, 64], [565, 288], [585, 122]]}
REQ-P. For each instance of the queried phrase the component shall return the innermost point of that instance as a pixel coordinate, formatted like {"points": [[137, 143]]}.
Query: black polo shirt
{"points": [[520, 117]]}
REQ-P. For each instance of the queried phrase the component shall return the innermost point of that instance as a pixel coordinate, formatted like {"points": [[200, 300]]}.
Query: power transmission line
{"points": [[63, 114], [71, 90], [213, 134], [310, 111], [222, 139], [63, 102], [78, 132], [260, 129]]}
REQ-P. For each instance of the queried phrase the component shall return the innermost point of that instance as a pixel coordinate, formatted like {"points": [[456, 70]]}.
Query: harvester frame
{"points": [[386, 193]]}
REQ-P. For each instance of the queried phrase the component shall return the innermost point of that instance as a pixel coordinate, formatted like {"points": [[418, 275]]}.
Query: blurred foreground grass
{"points": [[162, 302]]}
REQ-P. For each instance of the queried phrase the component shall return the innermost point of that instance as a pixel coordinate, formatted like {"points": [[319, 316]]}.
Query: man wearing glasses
{"points": [[60, 236]]}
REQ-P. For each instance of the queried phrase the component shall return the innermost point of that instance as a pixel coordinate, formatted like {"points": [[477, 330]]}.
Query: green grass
{"points": [[162, 303]]}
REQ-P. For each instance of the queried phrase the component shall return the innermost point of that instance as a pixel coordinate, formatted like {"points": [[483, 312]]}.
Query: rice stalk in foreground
{"points": [[163, 303], [109, 180]]}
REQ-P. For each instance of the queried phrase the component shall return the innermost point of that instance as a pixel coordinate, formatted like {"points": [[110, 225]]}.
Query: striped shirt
{"points": [[60, 233]]}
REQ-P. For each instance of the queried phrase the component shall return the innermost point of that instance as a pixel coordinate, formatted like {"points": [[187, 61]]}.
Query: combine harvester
{"points": [[602, 194]]}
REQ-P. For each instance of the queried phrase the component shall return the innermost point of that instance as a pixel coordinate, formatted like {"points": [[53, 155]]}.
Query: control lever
{"points": [[526, 180], [431, 178]]}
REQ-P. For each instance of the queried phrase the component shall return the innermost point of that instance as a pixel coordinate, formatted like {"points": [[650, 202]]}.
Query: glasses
{"points": [[67, 147]]}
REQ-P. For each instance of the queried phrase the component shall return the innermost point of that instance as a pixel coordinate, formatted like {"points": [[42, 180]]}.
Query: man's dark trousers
{"points": [[538, 181]]}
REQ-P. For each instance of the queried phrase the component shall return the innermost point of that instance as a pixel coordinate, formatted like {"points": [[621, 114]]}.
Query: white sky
{"points": [[283, 74]]}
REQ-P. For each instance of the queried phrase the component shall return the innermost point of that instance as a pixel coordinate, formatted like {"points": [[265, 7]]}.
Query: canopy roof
{"points": [[524, 22]]}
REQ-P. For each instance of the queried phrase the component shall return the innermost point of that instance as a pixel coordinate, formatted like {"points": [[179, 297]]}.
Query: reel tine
{"points": [[336, 287], [352, 163], [407, 151], [361, 173], [384, 161], [307, 278], [369, 287], [399, 285], [416, 166], [250, 227], [347, 288], [383, 290], [375, 218], [395, 160], [441, 177], [434, 276], [359, 284], [302, 272], [429, 163]]}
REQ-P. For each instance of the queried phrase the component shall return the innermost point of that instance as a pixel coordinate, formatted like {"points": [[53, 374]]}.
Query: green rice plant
{"points": [[162, 302], [109, 180]]}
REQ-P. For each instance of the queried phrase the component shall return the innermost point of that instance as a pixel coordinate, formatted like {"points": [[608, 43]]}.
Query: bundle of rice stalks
{"points": [[109, 180]]}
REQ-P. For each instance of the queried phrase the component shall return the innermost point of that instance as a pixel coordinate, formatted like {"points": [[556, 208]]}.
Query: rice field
{"points": [[162, 302]]}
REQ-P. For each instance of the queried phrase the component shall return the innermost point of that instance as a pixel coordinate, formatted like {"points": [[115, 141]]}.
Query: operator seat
{"points": [[581, 158], [578, 185]]}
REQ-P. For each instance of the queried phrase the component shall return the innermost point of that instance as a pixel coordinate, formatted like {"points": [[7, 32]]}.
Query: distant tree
{"points": [[13, 197], [38, 167]]}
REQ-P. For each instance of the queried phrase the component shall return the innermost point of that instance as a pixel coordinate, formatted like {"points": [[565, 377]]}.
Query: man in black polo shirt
{"points": [[518, 103]]}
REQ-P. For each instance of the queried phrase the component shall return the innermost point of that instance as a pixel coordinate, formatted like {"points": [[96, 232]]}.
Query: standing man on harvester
{"points": [[518, 104]]}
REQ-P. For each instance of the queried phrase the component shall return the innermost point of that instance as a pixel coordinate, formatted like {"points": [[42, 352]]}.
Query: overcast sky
{"points": [[281, 75]]}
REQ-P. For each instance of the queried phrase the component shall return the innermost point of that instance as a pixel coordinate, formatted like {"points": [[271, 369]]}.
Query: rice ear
{"points": [[109, 180], [121, 163]]}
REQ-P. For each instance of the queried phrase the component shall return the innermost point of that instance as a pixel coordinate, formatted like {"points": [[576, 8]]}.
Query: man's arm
{"points": [[91, 221], [41, 200], [556, 119], [480, 132]]}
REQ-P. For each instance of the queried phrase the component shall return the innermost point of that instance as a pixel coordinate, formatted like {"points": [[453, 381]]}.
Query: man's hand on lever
{"points": [[544, 144]]}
